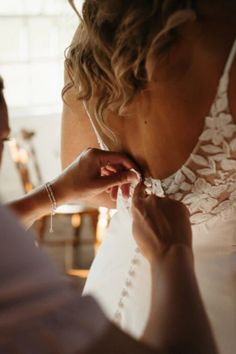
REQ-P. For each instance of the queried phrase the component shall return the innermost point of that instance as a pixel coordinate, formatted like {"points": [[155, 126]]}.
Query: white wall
{"points": [[47, 145], [33, 37]]}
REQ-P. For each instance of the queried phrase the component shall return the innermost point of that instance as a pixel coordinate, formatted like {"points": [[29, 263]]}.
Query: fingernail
{"points": [[132, 177], [137, 174]]}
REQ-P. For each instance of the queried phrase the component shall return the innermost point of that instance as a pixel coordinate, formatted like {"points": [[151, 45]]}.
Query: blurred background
{"points": [[33, 38]]}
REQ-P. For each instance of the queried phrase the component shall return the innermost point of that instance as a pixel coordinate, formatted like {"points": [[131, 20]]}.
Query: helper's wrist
{"points": [[177, 251], [60, 192]]}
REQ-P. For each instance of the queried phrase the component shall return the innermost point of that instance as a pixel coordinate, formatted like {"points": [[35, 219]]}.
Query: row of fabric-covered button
{"points": [[127, 287]]}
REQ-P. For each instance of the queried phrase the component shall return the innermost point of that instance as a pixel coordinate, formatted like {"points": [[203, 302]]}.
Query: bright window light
{"points": [[33, 37]]}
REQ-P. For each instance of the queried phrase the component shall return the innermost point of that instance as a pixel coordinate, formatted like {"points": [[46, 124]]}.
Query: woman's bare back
{"points": [[164, 122]]}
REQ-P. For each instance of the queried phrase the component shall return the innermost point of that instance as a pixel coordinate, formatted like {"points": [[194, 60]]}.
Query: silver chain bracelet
{"points": [[52, 199]]}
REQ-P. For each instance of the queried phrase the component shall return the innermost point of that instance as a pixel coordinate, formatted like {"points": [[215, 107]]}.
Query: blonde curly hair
{"points": [[115, 50]]}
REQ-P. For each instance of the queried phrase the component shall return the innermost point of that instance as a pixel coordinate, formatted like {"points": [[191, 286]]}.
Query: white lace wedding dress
{"points": [[206, 183]]}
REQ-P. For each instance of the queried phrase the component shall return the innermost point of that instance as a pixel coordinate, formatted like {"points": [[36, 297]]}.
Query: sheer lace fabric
{"points": [[206, 183]]}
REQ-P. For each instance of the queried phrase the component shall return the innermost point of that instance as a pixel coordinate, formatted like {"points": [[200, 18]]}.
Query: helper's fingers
{"points": [[139, 194], [125, 190], [111, 168], [107, 172], [116, 158], [116, 179], [114, 193]]}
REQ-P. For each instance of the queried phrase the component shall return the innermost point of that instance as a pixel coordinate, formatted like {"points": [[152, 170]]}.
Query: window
{"points": [[33, 37]]}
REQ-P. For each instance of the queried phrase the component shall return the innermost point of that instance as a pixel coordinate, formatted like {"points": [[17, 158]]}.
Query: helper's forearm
{"points": [[178, 322], [102, 200], [36, 204], [32, 206]]}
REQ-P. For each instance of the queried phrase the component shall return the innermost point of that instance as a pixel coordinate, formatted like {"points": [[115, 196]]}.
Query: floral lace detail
{"points": [[206, 183], [154, 186]]}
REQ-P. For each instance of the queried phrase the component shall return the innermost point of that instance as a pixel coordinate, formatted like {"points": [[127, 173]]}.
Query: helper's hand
{"points": [[125, 188], [85, 177], [159, 224]]}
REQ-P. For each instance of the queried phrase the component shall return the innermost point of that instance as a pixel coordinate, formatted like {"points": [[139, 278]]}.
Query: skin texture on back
{"points": [[164, 122]]}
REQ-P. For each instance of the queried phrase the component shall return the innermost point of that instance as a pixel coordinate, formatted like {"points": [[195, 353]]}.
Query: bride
{"points": [[156, 79]]}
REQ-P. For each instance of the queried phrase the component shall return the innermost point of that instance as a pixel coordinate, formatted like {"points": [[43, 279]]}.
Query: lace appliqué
{"points": [[206, 183], [154, 186]]}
